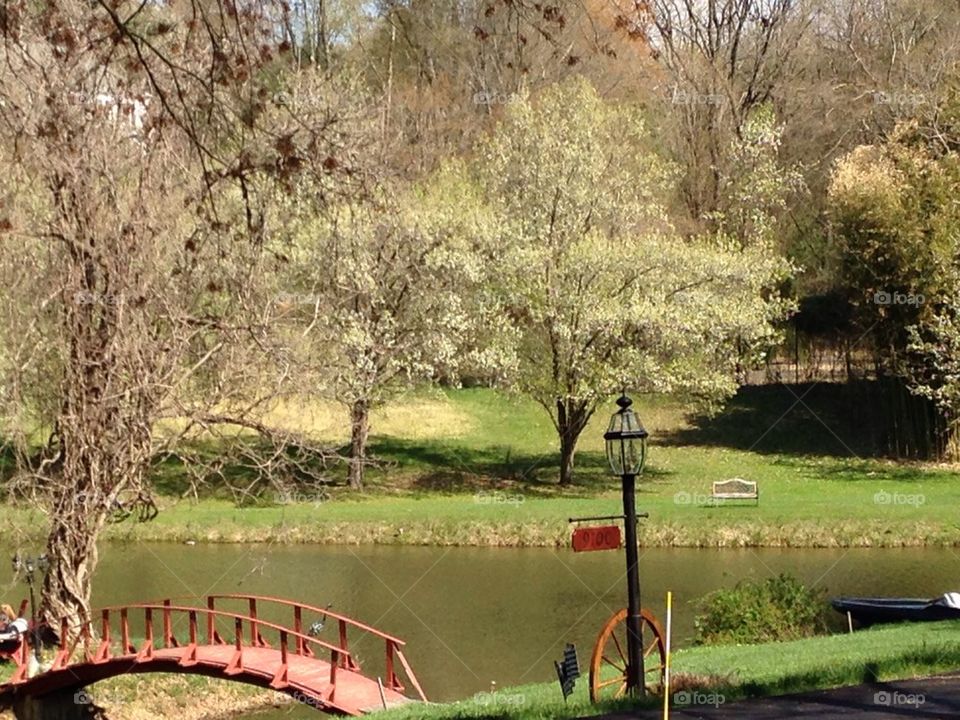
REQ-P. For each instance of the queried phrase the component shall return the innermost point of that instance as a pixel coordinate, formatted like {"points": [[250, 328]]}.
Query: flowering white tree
{"points": [[755, 189], [397, 278], [603, 292]]}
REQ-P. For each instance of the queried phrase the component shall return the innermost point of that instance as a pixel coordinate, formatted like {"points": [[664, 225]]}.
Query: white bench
{"points": [[735, 489]]}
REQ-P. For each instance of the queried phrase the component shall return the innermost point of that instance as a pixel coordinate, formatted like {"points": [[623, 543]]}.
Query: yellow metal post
{"points": [[666, 673]]}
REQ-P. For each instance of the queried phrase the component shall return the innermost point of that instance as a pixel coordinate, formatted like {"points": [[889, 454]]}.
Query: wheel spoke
{"points": [[605, 683], [650, 644], [656, 641], [616, 642], [611, 662]]}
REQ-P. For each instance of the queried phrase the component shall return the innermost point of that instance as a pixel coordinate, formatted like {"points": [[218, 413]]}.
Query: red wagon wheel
{"points": [[608, 666]]}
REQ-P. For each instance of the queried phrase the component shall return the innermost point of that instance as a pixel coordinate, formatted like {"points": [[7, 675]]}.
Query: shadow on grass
{"points": [[182, 473], [452, 468], [851, 673], [397, 464], [801, 419], [859, 469]]}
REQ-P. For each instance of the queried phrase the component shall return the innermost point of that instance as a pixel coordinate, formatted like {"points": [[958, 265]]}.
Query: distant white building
{"points": [[132, 109]]}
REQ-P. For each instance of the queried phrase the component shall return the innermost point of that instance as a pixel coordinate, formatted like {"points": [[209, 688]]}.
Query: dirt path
{"points": [[929, 698]]}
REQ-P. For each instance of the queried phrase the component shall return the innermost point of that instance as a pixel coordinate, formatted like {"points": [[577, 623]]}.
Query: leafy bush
{"points": [[779, 608]]}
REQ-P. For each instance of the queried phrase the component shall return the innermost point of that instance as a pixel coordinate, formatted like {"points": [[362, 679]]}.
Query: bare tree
{"points": [[724, 59], [137, 141]]}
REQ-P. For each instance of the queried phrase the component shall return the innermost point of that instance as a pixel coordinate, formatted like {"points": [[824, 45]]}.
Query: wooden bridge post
{"points": [[252, 604], [280, 681], [334, 662], [146, 652], [86, 637], [103, 653], [189, 656], [168, 640], [211, 632], [343, 638], [256, 640], [63, 654], [298, 629], [393, 682], [125, 633], [347, 662], [235, 666]]}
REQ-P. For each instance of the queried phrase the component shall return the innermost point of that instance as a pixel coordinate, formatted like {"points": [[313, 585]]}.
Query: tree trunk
{"points": [[572, 418], [359, 431], [568, 447], [72, 556]]}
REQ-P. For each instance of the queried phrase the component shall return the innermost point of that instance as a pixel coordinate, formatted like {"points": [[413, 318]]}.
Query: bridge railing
{"points": [[98, 645], [393, 646]]}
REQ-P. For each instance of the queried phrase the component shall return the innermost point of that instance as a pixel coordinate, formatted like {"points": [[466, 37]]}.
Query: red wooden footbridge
{"points": [[285, 652]]}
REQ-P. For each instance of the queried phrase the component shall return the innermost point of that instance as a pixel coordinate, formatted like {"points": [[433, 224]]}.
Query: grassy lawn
{"points": [[729, 672], [733, 672], [478, 467]]}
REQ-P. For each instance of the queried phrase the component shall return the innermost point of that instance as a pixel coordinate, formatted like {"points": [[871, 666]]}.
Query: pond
{"points": [[474, 616]]}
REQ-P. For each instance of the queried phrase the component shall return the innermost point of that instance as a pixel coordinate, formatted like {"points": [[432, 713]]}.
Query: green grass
{"points": [[735, 672], [478, 467], [888, 653]]}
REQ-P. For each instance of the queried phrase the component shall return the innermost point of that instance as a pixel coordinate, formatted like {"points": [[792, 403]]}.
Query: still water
{"points": [[472, 616]]}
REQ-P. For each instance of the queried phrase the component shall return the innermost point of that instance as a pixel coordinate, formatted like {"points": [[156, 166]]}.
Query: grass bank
{"points": [[736, 672], [185, 697], [727, 673], [478, 467]]}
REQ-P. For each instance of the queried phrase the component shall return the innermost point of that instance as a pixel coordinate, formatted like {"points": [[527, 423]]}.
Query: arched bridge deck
{"points": [[180, 637]]}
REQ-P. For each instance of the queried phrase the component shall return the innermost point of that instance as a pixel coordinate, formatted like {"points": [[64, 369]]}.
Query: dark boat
{"points": [[871, 611]]}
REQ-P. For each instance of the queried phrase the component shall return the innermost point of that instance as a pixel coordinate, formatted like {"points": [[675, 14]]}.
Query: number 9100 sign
{"points": [[587, 539]]}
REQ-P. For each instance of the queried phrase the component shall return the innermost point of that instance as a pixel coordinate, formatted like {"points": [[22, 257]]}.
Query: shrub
{"points": [[779, 608]]}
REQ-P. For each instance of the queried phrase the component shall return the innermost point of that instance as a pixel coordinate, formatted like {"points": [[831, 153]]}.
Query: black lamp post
{"points": [[626, 451], [27, 567]]}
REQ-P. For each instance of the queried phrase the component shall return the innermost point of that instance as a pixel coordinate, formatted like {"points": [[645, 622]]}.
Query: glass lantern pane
{"points": [[632, 463], [613, 457]]}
